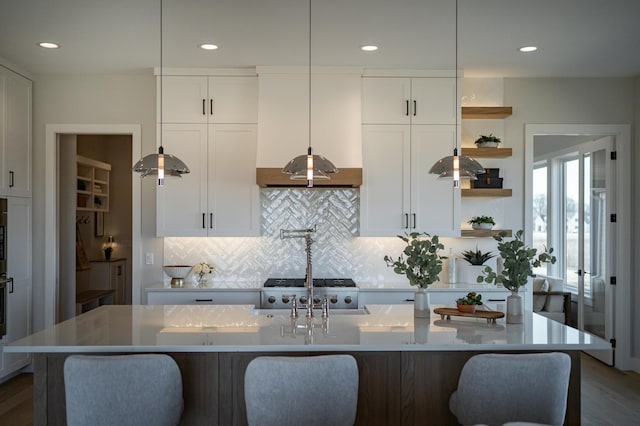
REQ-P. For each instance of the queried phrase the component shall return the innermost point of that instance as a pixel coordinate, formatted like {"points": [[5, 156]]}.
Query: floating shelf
{"points": [[487, 152], [493, 113], [482, 233], [486, 192]]}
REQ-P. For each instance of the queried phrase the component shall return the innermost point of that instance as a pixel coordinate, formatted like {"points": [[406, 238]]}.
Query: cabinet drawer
{"points": [[187, 297]]}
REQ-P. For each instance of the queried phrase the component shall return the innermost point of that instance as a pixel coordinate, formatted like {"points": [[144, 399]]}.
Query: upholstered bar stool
{"points": [[122, 390], [315, 390], [494, 389]]}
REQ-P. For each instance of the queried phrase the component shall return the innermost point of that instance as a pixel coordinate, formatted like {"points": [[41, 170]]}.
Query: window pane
{"points": [[570, 219], [540, 212]]}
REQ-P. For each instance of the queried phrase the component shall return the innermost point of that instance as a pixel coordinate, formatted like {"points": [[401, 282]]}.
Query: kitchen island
{"points": [[408, 367]]}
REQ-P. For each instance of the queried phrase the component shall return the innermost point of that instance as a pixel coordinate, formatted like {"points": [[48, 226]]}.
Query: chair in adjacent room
{"points": [[122, 390], [494, 389], [314, 390]]}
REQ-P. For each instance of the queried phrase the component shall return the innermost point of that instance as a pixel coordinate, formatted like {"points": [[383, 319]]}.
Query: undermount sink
{"points": [[317, 313]]}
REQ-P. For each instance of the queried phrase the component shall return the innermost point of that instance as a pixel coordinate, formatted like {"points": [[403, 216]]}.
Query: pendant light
{"points": [[457, 166], [159, 163], [311, 166]]}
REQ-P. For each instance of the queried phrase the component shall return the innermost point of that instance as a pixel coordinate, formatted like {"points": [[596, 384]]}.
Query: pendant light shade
{"points": [[310, 166], [456, 166], [160, 164]]}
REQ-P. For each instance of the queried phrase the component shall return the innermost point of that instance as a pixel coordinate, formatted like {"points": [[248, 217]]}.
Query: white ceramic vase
{"points": [[515, 309], [421, 304]]}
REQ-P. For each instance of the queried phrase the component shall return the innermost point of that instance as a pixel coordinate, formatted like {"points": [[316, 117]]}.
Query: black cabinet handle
{"points": [[496, 300], [203, 219], [415, 108], [204, 300], [211, 107], [406, 108], [414, 221], [10, 179], [211, 220], [409, 300], [204, 105], [406, 220]]}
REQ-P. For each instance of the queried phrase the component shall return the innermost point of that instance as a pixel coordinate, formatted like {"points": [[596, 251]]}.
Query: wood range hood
{"points": [[274, 178]]}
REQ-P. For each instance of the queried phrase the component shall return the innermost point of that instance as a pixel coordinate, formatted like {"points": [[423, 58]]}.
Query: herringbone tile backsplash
{"points": [[337, 250]]}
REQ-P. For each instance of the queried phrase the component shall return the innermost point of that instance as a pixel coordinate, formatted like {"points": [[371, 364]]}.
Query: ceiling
{"points": [[576, 38]]}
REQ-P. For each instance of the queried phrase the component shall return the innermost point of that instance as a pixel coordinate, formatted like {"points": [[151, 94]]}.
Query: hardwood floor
{"points": [[609, 397]]}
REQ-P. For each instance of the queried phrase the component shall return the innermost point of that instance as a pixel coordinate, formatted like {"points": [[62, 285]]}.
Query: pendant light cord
{"points": [[161, 85], [456, 81], [309, 75]]}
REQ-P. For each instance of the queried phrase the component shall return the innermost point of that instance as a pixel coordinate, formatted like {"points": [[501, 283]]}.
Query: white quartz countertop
{"points": [[234, 286], [241, 328]]}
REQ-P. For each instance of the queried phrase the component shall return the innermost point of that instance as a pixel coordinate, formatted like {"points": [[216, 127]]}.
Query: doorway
{"points": [[52, 280], [573, 169]]}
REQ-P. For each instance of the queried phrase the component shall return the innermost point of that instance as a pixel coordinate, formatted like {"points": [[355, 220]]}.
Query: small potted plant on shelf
{"points": [[488, 141], [482, 222], [421, 262], [517, 266], [469, 303]]}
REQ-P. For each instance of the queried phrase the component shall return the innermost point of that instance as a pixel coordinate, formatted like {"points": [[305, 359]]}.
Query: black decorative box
{"points": [[487, 182], [490, 173]]}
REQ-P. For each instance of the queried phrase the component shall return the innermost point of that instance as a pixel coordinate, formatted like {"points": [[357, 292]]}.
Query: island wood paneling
{"points": [[395, 388]]}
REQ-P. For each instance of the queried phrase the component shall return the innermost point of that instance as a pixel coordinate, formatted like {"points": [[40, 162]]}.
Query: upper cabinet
{"points": [[92, 185], [408, 124], [15, 134], [202, 99], [403, 100]]}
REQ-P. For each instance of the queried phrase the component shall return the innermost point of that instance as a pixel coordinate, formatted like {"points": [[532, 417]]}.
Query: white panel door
{"points": [[17, 135], [386, 100], [233, 193], [433, 101], [182, 202], [385, 198], [184, 99], [19, 268], [233, 100], [435, 204]]}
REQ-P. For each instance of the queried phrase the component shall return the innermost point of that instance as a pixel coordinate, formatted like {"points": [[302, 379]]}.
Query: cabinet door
{"points": [[384, 202], [117, 277], [19, 268], [184, 99], [433, 101], [182, 202], [435, 204], [17, 135], [233, 193], [386, 100], [233, 100]]}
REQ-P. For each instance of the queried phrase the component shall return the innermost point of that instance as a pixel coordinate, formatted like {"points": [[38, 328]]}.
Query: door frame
{"points": [[51, 238], [622, 263]]}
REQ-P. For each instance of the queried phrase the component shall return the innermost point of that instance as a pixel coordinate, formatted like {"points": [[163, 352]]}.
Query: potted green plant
{"points": [[469, 303], [488, 141], [518, 263], [469, 270], [482, 222], [477, 257], [421, 262]]}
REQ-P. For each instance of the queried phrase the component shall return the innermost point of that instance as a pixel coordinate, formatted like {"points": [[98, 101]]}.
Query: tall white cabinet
{"points": [[15, 134], [219, 197], [19, 291], [408, 124]]}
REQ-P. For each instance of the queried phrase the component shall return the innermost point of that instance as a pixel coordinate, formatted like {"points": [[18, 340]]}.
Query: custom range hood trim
{"points": [[274, 178]]}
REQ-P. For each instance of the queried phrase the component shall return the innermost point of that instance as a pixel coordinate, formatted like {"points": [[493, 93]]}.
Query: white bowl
{"points": [[177, 271]]}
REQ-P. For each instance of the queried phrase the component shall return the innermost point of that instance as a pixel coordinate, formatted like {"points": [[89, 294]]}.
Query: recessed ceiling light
{"points": [[208, 46], [528, 49], [369, 48], [48, 45]]}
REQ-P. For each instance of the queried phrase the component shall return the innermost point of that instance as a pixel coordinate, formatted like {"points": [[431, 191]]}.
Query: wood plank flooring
{"points": [[609, 397]]}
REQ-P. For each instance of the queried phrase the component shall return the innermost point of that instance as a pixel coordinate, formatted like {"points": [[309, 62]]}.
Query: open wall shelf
{"points": [[491, 113], [487, 152], [482, 233]]}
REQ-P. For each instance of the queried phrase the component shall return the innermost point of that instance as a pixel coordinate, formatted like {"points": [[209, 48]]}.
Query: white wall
{"points": [[635, 291], [96, 99]]}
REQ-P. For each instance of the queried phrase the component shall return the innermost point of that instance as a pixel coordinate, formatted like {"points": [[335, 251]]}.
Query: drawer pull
{"points": [[204, 300], [496, 300], [409, 300]]}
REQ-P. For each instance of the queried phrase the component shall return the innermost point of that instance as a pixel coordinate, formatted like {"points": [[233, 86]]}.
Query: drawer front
{"points": [[186, 297]]}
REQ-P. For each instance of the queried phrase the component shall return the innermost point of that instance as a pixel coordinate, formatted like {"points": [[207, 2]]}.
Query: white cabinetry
{"points": [[19, 291], [203, 297], [409, 123], [202, 99], [402, 100], [92, 185], [15, 134], [219, 197], [398, 194]]}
